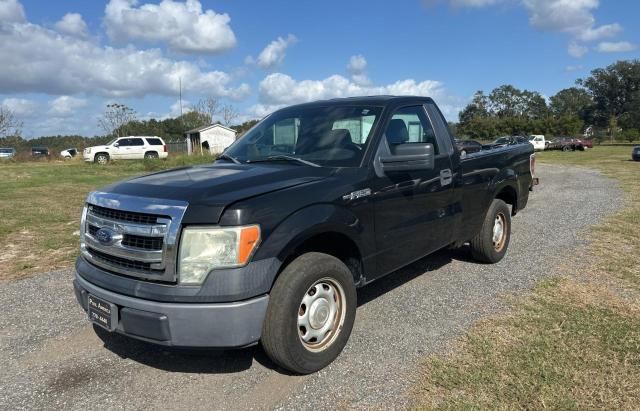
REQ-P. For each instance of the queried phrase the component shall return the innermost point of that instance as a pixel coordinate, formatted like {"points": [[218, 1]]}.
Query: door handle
{"points": [[446, 177]]}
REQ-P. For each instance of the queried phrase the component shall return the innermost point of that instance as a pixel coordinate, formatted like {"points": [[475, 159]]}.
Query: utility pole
{"points": [[180, 97]]}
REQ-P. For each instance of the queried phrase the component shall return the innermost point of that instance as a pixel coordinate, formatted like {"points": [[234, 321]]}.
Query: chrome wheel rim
{"points": [[499, 232], [102, 159], [321, 314]]}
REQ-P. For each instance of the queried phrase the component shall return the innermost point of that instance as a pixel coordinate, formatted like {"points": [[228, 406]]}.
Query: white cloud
{"points": [[358, 69], [574, 17], [275, 52], [615, 47], [36, 59], [278, 90], [21, 107], [602, 32], [11, 11], [72, 24], [577, 50], [184, 27], [65, 106]]}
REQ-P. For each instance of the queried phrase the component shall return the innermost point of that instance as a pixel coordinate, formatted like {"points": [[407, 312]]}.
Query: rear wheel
{"points": [[311, 311], [491, 243], [151, 155], [101, 158]]}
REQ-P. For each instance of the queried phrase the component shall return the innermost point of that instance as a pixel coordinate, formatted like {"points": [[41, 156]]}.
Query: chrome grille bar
{"points": [[148, 219]]}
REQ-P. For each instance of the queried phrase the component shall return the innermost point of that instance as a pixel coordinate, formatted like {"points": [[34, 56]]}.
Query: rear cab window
{"points": [[411, 125]]}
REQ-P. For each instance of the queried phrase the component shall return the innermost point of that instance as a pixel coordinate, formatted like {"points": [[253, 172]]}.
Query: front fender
{"points": [[309, 222]]}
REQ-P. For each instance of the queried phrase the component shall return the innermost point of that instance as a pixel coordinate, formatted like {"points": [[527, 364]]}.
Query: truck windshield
{"points": [[331, 136]]}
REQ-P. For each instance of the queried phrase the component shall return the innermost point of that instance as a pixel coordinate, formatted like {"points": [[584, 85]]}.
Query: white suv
{"points": [[127, 148]]}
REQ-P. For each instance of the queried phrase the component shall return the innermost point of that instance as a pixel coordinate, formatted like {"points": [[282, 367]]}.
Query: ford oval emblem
{"points": [[105, 236]]}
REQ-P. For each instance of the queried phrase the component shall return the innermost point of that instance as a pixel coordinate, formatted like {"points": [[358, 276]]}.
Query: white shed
{"points": [[213, 138]]}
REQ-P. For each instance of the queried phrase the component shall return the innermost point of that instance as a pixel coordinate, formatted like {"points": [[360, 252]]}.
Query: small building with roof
{"points": [[211, 139]]}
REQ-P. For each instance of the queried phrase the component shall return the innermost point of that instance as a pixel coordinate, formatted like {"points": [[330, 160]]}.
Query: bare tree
{"points": [[9, 125], [229, 113], [115, 119], [209, 106]]}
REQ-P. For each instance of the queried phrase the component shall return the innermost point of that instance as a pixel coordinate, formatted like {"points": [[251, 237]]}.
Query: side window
{"points": [[136, 142], [124, 142], [154, 141], [410, 125]]}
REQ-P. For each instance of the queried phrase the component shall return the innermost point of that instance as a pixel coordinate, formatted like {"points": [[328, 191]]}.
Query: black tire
{"points": [[566, 148], [101, 158], [483, 247], [150, 155], [282, 336]]}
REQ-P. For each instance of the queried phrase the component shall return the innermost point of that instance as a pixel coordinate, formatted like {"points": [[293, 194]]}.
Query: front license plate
{"points": [[101, 312]]}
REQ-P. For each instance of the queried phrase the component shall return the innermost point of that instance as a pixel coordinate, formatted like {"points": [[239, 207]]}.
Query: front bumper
{"points": [[219, 325]]}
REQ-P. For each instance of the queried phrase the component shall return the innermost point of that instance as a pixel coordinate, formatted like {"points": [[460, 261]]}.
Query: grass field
{"points": [[574, 342], [40, 205]]}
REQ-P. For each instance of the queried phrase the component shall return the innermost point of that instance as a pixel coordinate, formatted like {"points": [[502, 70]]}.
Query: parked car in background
{"points": [[510, 141], [7, 152], [538, 141], [586, 142], [635, 153], [127, 148], [39, 152], [467, 147], [69, 153], [566, 144]]}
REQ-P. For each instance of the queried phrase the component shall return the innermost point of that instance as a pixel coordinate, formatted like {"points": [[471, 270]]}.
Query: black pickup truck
{"points": [[269, 243]]}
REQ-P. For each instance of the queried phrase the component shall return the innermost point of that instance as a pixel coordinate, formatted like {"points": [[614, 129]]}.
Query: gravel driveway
{"points": [[51, 357]]}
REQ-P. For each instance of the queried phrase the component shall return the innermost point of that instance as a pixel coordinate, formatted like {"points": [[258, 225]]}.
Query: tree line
{"points": [[605, 104]]}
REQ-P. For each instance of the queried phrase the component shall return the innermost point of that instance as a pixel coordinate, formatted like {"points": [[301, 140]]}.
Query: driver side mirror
{"points": [[409, 157], [116, 145]]}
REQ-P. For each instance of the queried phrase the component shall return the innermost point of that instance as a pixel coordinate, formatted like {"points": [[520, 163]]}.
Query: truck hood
{"points": [[210, 189]]}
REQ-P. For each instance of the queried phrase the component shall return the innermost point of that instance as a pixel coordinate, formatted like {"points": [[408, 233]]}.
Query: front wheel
{"points": [[102, 158], [312, 308], [491, 243], [566, 148]]}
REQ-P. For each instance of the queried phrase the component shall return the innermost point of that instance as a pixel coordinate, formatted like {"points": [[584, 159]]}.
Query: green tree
{"points": [[571, 101], [613, 90]]}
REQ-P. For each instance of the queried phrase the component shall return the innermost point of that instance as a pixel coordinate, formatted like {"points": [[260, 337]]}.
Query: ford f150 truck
{"points": [[269, 243]]}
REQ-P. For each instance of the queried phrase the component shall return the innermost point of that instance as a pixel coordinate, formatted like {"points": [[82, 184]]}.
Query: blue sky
{"points": [[63, 61]]}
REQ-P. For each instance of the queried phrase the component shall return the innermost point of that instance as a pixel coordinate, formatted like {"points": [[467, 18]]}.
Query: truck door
{"points": [[414, 210]]}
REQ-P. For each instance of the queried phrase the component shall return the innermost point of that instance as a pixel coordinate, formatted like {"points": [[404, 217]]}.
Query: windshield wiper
{"points": [[287, 158], [224, 156]]}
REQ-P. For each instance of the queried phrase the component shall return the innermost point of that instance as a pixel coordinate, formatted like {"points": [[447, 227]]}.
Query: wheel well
{"points": [[101, 152], [151, 152], [335, 244], [509, 195]]}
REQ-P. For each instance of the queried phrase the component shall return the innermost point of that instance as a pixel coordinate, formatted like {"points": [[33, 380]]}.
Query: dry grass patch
{"points": [[40, 206], [574, 342]]}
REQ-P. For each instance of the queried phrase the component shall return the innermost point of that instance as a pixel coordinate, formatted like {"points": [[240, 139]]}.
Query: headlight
{"points": [[87, 150], [203, 249]]}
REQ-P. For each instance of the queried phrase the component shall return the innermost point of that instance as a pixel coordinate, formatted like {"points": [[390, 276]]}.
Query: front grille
{"points": [[122, 262], [126, 216], [134, 241], [144, 243]]}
